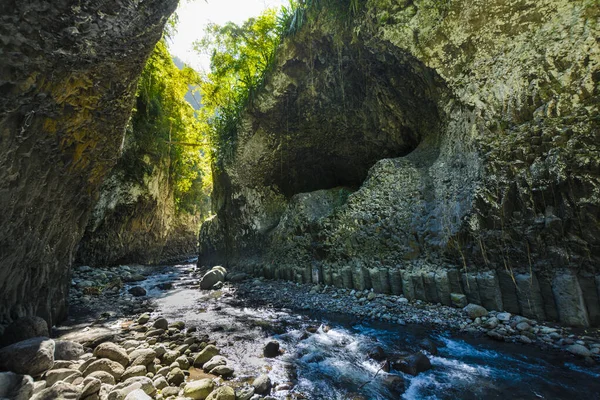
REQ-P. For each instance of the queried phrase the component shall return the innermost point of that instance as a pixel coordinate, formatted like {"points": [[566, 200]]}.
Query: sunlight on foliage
{"points": [[165, 130]]}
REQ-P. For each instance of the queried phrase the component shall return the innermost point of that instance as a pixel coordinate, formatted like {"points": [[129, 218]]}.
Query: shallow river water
{"points": [[332, 363]]}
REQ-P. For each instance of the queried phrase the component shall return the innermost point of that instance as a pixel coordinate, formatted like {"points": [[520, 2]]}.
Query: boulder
{"points": [[474, 311], [222, 393], [91, 337], [60, 390], [214, 362], [90, 386], [60, 374], [413, 364], [138, 394], [206, 354], [271, 349], [211, 278], [198, 390], [142, 356], [176, 376], [106, 365], [144, 318], [244, 393], [136, 370], [458, 300], [222, 370], [103, 377], [113, 352], [23, 329], [161, 323], [29, 357], [579, 350], [15, 387], [67, 350], [137, 291], [262, 384], [429, 345]]}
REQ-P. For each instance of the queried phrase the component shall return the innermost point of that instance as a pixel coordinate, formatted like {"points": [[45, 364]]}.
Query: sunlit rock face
{"points": [[448, 146], [68, 72]]}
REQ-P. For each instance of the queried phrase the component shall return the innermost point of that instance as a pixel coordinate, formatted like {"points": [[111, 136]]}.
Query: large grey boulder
{"points": [[113, 352], [212, 277], [15, 387], [29, 357], [67, 350], [60, 390]]}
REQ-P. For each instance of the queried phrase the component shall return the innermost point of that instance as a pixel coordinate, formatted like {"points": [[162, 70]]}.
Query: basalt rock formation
{"points": [[68, 73], [426, 148]]}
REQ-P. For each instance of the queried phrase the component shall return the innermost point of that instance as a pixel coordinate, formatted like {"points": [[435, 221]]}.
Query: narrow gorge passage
{"points": [[303, 199]]}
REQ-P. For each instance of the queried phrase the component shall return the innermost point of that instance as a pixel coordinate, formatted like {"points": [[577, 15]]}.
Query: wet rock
{"points": [[15, 387], [222, 370], [495, 335], [143, 319], [112, 352], [413, 364], [67, 350], [394, 382], [136, 370], [579, 350], [29, 357], [214, 362], [262, 384], [179, 325], [222, 393], [271, 349], [429, 345], [244, 393], [198, 390], [525, 339], [137, 291], [458, 300], [491, 323], [206, 354], [377, 353], [106, 365], [61, 390], [211, 278], [523, 326], [474, 311], [176, 377], [161, 323], [23, 329], [60, 374]]}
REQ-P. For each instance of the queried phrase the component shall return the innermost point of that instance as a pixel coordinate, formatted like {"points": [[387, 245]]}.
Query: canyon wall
{"points": [[68, 73], [443, 150]]}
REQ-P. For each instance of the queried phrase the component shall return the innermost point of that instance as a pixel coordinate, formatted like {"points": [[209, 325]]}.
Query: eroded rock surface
{"points": [[447, 152], [68, 76]]}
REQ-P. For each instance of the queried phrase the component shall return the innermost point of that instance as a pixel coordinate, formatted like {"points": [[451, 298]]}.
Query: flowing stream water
{"points": [[333, 363]]}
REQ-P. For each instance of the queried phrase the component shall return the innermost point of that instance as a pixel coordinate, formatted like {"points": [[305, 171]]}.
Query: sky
{"points": [[194, 15]]}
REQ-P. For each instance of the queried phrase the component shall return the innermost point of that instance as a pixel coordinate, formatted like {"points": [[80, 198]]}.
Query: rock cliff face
{"points": [[136, 222], [68, 73], [430, 148]]}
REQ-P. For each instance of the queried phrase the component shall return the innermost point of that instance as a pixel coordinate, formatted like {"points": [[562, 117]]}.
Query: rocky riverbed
{"points": [[151, 332]]}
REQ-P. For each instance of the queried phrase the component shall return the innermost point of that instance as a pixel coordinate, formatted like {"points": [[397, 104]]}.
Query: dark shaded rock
{"points": [[23, 329], [377, 353], [137, 291], [271, 349], [429, 345], [15, 387], [30, 357], [474, 311], [413, 364], [67, 98]]}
